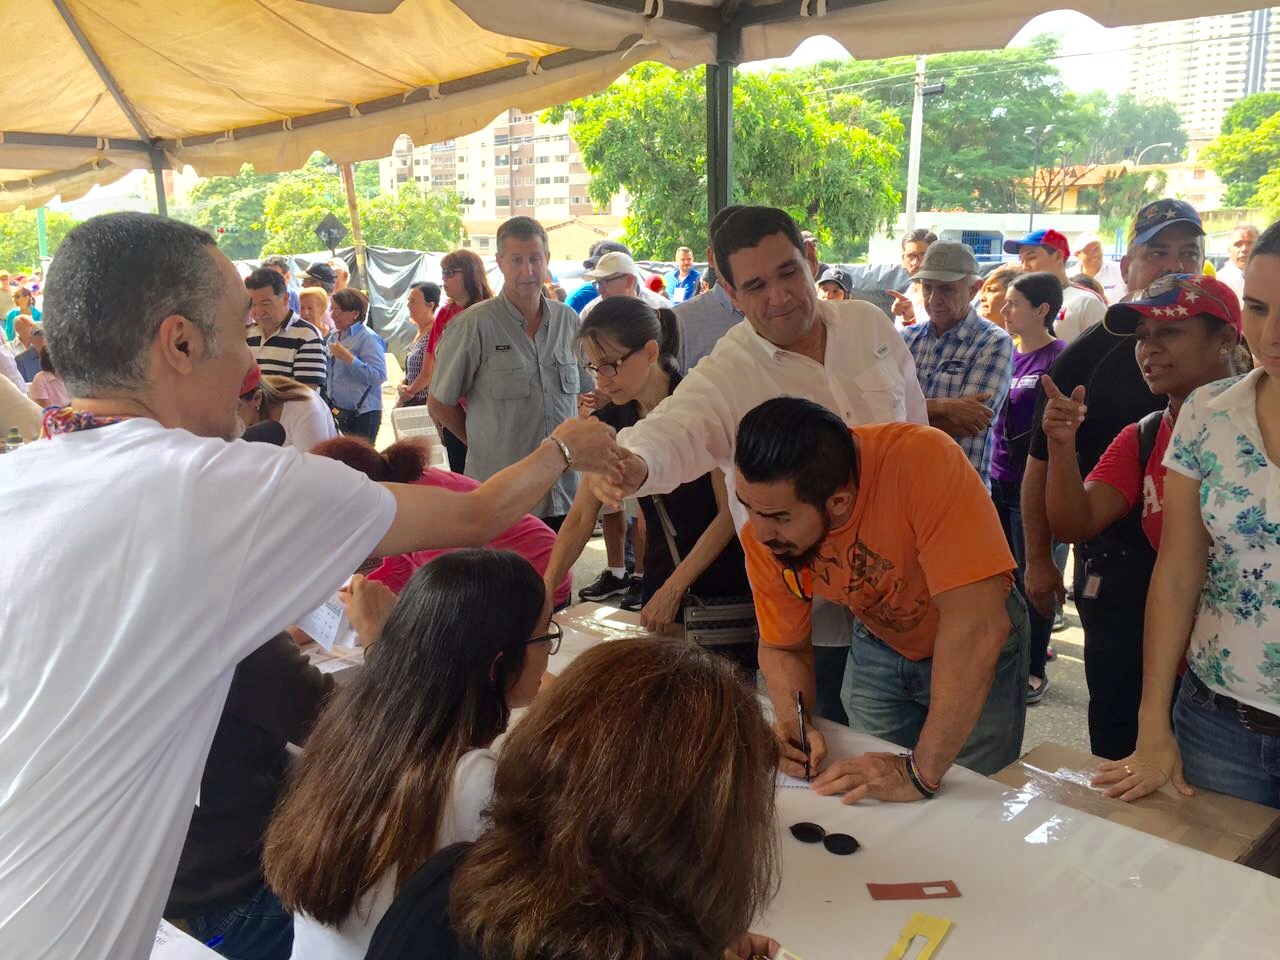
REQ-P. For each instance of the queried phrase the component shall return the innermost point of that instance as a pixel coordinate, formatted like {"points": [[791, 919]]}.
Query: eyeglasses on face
{"points": [[552, 638], [793, 580], [448, 272], [609, 369]]}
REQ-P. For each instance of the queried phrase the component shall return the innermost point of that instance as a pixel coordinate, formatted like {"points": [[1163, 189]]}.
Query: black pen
{"points": [[804, 737]]}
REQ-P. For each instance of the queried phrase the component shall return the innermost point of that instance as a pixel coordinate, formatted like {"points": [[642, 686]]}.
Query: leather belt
{"points": [[1251, 718]]}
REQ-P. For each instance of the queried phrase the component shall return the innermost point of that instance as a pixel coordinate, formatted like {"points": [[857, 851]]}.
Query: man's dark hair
{"points": [[1267, 245], [277, 262], [115, 278], [265, 277], [522, 228], [719, 219], [745, 228], [430, 291], [798, 440], [920, 235]]}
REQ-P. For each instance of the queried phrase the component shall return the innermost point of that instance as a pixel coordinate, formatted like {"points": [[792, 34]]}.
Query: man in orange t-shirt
{"points": [[892, 521]]}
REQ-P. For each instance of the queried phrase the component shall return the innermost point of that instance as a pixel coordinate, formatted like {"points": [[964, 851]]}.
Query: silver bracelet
{"points": [[564, 451]]}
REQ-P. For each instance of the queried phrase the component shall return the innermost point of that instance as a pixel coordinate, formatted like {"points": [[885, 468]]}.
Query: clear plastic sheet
{"points": [[1223, 826]]}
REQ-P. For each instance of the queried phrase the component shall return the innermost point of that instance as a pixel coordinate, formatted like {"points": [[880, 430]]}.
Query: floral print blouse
{"points": [[1235, 643]]}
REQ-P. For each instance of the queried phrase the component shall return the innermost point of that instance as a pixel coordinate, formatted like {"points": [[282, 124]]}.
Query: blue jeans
{"points": [[887, 695], [1008, 500], [258, 929], [1218, 753]]}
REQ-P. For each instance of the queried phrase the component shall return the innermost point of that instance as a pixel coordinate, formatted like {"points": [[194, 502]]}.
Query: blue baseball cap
{"points": [[1040, 238], [1154, 217]]}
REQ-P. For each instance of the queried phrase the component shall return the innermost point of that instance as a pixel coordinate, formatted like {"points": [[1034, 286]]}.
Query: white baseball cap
{"points": [[1084, 240], [614, 264]]}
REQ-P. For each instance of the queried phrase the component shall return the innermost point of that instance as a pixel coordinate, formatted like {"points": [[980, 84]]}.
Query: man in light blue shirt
{"points": [[682, 282], [707, 317], [357, 366]]}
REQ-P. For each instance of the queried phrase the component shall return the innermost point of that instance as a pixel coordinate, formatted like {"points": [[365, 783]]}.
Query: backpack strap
{"points": [[1148, 429]]}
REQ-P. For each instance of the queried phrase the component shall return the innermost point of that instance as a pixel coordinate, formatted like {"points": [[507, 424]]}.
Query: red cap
{"points": [[1176, 297], [251, 380]]}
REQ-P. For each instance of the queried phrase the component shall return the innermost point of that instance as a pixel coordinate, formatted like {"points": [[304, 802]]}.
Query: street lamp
{"points": [[1137, 161], [1038, 137]]}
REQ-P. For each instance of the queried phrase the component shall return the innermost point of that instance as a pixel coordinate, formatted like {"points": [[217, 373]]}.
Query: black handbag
{"points": [[710, 621]]}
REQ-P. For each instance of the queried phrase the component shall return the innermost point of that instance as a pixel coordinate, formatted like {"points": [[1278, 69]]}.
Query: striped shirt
{"points": [[295, 350], [972, 357]]}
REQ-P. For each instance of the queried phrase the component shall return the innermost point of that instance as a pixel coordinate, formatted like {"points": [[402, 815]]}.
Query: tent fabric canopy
{"points": [[102, 87]]}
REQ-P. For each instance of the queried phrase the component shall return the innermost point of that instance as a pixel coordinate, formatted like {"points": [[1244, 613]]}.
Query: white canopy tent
{"points": [[91, 89]]}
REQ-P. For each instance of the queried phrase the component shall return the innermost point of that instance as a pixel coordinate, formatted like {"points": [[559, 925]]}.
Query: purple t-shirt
{"points": [[1013, 423]]}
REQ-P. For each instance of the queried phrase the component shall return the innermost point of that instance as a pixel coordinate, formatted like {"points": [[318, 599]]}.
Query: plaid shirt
{"points": [[972, 357]]}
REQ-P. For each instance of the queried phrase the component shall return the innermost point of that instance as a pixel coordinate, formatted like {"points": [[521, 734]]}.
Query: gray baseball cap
{"points": [[947, 261]]}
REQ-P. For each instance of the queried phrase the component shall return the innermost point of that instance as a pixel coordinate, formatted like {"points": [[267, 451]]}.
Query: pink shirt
{"points": [[529, 537], [47, 390]]}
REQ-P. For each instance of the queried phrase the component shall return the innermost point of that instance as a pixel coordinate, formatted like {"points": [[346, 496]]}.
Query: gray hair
{"points": [[114, 280], [1247, 228], [523, 228]]}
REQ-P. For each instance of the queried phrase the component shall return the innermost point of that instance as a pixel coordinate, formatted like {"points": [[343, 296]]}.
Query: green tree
{"points": [[1129, 125], [791, 150], [412, 219], [1268, 195], [1248, 149], [234, 206], [19, 238], [1120, 195]]}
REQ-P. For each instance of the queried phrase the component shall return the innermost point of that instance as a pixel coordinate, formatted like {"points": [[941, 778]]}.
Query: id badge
{"points": [[1092, 586]]}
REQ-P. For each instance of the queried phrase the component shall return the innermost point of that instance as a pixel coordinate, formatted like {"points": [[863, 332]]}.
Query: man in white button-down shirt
{"points": [[846, 356]]}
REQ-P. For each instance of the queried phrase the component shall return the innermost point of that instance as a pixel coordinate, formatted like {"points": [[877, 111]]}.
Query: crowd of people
{"points": [[890, 493]]}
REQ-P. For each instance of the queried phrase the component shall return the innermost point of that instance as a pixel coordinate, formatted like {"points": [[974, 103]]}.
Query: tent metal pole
{"points": [[349, 184], [157, 170], [720, 121], [103, 73]]}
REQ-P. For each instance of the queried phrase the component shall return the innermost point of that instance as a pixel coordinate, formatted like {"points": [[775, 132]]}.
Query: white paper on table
{"points": [[792, 783], [172, 944], [334, 664], [328, 624]]}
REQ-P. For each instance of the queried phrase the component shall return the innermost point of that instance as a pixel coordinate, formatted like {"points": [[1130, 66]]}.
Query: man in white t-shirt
{"points": [[1094, 263], [173, 553], [1046, 251]]}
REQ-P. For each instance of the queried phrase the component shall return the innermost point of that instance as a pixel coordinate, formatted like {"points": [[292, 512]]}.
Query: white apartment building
{"points": [[516, 165], [1206, 64]]}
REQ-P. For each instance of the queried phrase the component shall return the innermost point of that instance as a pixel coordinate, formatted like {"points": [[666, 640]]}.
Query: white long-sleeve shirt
{"points": [[868, 376]]}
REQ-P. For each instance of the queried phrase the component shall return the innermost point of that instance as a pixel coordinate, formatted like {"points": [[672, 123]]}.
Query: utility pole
{"points": [[917, 134]]}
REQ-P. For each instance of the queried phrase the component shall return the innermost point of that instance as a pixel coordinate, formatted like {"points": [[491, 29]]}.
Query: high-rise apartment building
{"points": [[1206, 64], [515, 165]]}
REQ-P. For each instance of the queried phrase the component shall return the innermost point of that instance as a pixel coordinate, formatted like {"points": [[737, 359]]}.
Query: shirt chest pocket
{"points": [[883, 391], [568, 372], [508, 379], [951, 370]]}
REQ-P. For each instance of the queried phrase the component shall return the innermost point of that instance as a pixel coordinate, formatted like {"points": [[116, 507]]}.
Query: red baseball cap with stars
{"points": [[1177, 297]]}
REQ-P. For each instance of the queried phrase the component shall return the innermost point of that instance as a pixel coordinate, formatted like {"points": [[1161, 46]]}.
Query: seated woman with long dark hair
{"points": [[632, 817], [406, 462], [399, 763]]}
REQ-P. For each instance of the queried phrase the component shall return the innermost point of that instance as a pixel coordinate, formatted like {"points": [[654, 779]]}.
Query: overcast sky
{"points": [[1093, 56]]}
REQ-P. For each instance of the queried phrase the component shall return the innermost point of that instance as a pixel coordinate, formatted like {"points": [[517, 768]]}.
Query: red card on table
{"points": [[934, 890]]}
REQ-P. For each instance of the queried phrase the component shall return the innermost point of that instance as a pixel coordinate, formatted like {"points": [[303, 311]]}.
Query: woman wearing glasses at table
{"points": [[464, 284], [1030, 304], [399, 764], [1216, 579], [632, 351]]}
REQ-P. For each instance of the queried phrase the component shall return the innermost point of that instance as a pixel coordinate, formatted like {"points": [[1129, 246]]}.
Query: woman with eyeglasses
{"points": [[1215, 593], [399, 764], [465, 284], [632, 351], [24, 304], [1031, 301], [633, 817]]}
